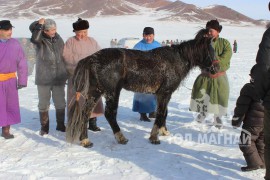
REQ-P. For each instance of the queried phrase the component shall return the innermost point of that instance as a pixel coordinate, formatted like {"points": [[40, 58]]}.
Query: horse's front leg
{"points": [[110, 114], [163, 131], [159, 125]]}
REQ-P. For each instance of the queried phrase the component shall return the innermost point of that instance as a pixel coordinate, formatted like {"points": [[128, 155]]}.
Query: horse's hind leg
{"points": [[89, 104], [85, 142], [159, 125], [110, 114]]}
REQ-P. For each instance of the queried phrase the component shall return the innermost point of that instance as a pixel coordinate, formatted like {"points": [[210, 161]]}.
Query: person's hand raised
{"points": [[41, 21]]}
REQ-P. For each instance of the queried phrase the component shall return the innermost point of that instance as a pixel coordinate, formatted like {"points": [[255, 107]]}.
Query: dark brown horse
{"points": [[159, 71]]}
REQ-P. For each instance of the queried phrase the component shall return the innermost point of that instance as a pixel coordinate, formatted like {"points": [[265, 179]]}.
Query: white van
{"points": [[127, 43]]}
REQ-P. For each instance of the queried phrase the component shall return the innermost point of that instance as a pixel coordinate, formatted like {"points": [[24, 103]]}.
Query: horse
{"points": [[158, 71]]}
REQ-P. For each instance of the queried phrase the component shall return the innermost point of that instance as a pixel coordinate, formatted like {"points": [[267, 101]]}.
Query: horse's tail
{"points": [[76, 116], [75, 121]]}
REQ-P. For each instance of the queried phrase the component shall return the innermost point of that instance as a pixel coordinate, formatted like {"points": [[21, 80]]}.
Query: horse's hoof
{"points": [[120, 138], [154, 140], [89, 145], [86, 143], [124, 141]]}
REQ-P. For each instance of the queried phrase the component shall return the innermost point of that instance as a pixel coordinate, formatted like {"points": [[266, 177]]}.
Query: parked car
{"points": [[128, 42]]}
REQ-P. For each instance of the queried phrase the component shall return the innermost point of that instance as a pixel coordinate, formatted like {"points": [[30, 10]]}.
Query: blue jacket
{"points": [[144, 46]]}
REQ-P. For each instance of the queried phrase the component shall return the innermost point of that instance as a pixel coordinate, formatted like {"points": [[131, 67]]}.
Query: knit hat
{"points": [[80, 25], [49, 23], [5, 24], [214, 24], [148, 30]]}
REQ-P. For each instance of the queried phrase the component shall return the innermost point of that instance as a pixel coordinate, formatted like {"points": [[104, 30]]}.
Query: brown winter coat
{"points": [[74, 51]]}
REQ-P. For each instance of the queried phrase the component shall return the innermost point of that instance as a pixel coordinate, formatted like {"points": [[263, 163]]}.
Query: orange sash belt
{"points": [[4, 77], [207, 74]]}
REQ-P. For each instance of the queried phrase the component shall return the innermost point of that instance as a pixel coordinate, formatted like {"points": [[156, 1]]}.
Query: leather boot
{"points": [[144, 117], [5, 132], [93, 124], [200, 117], [218, 122], [44, 121], [60, 120]]}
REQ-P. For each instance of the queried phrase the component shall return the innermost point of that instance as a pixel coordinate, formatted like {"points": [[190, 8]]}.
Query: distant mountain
{"points": [[150, 3], [171, 11], [188, 12], [82, 8], [224, 13]]}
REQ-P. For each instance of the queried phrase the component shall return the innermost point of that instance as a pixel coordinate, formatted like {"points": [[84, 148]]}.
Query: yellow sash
{"points": [[4, 77]]}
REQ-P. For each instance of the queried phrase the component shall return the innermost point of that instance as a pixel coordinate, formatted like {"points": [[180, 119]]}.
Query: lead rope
{"points": [[187, 87], [78, 95]]}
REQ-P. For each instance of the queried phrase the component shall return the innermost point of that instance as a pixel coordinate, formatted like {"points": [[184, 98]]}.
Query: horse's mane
{"points": [[202, 33], [196, 46]]}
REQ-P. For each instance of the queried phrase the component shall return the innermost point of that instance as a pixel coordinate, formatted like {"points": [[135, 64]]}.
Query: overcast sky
{"points": [[256, 9]]}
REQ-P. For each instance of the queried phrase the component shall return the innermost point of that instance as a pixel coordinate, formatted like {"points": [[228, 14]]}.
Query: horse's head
{"points": [[198, 51], [204, 43]]}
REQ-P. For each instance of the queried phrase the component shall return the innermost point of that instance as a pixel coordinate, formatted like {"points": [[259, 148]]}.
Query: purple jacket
{"points": [[12, 59]]}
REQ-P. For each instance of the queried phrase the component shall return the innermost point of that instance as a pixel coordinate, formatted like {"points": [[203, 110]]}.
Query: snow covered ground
{"points": [[192, 151]]}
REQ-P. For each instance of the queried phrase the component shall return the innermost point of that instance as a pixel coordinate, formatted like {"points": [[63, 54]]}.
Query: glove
{"points": [[20, 86], [215, 67], [236, 122]]}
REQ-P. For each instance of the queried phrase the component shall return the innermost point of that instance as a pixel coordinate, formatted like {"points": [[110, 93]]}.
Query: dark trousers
{"points": [[252, 145], [267, 142]]}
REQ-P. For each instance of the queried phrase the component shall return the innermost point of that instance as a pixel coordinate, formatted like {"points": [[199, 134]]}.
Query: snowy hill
{"points": [[171, 11]]}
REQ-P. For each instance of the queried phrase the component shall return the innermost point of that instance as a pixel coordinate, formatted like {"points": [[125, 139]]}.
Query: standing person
{"points": [[234, 46], [112, 44], [12, 61], [262, 86], [51, 74], [115, 43], [168, 43], [163, 43], [77, 48], [210, 93], [250, 111], [146, 103]]}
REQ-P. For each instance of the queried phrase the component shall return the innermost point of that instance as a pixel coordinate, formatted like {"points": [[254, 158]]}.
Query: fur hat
{"points": [[214, 24], [49, 23], [80, 25], [5, 24], [148, 30]]}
